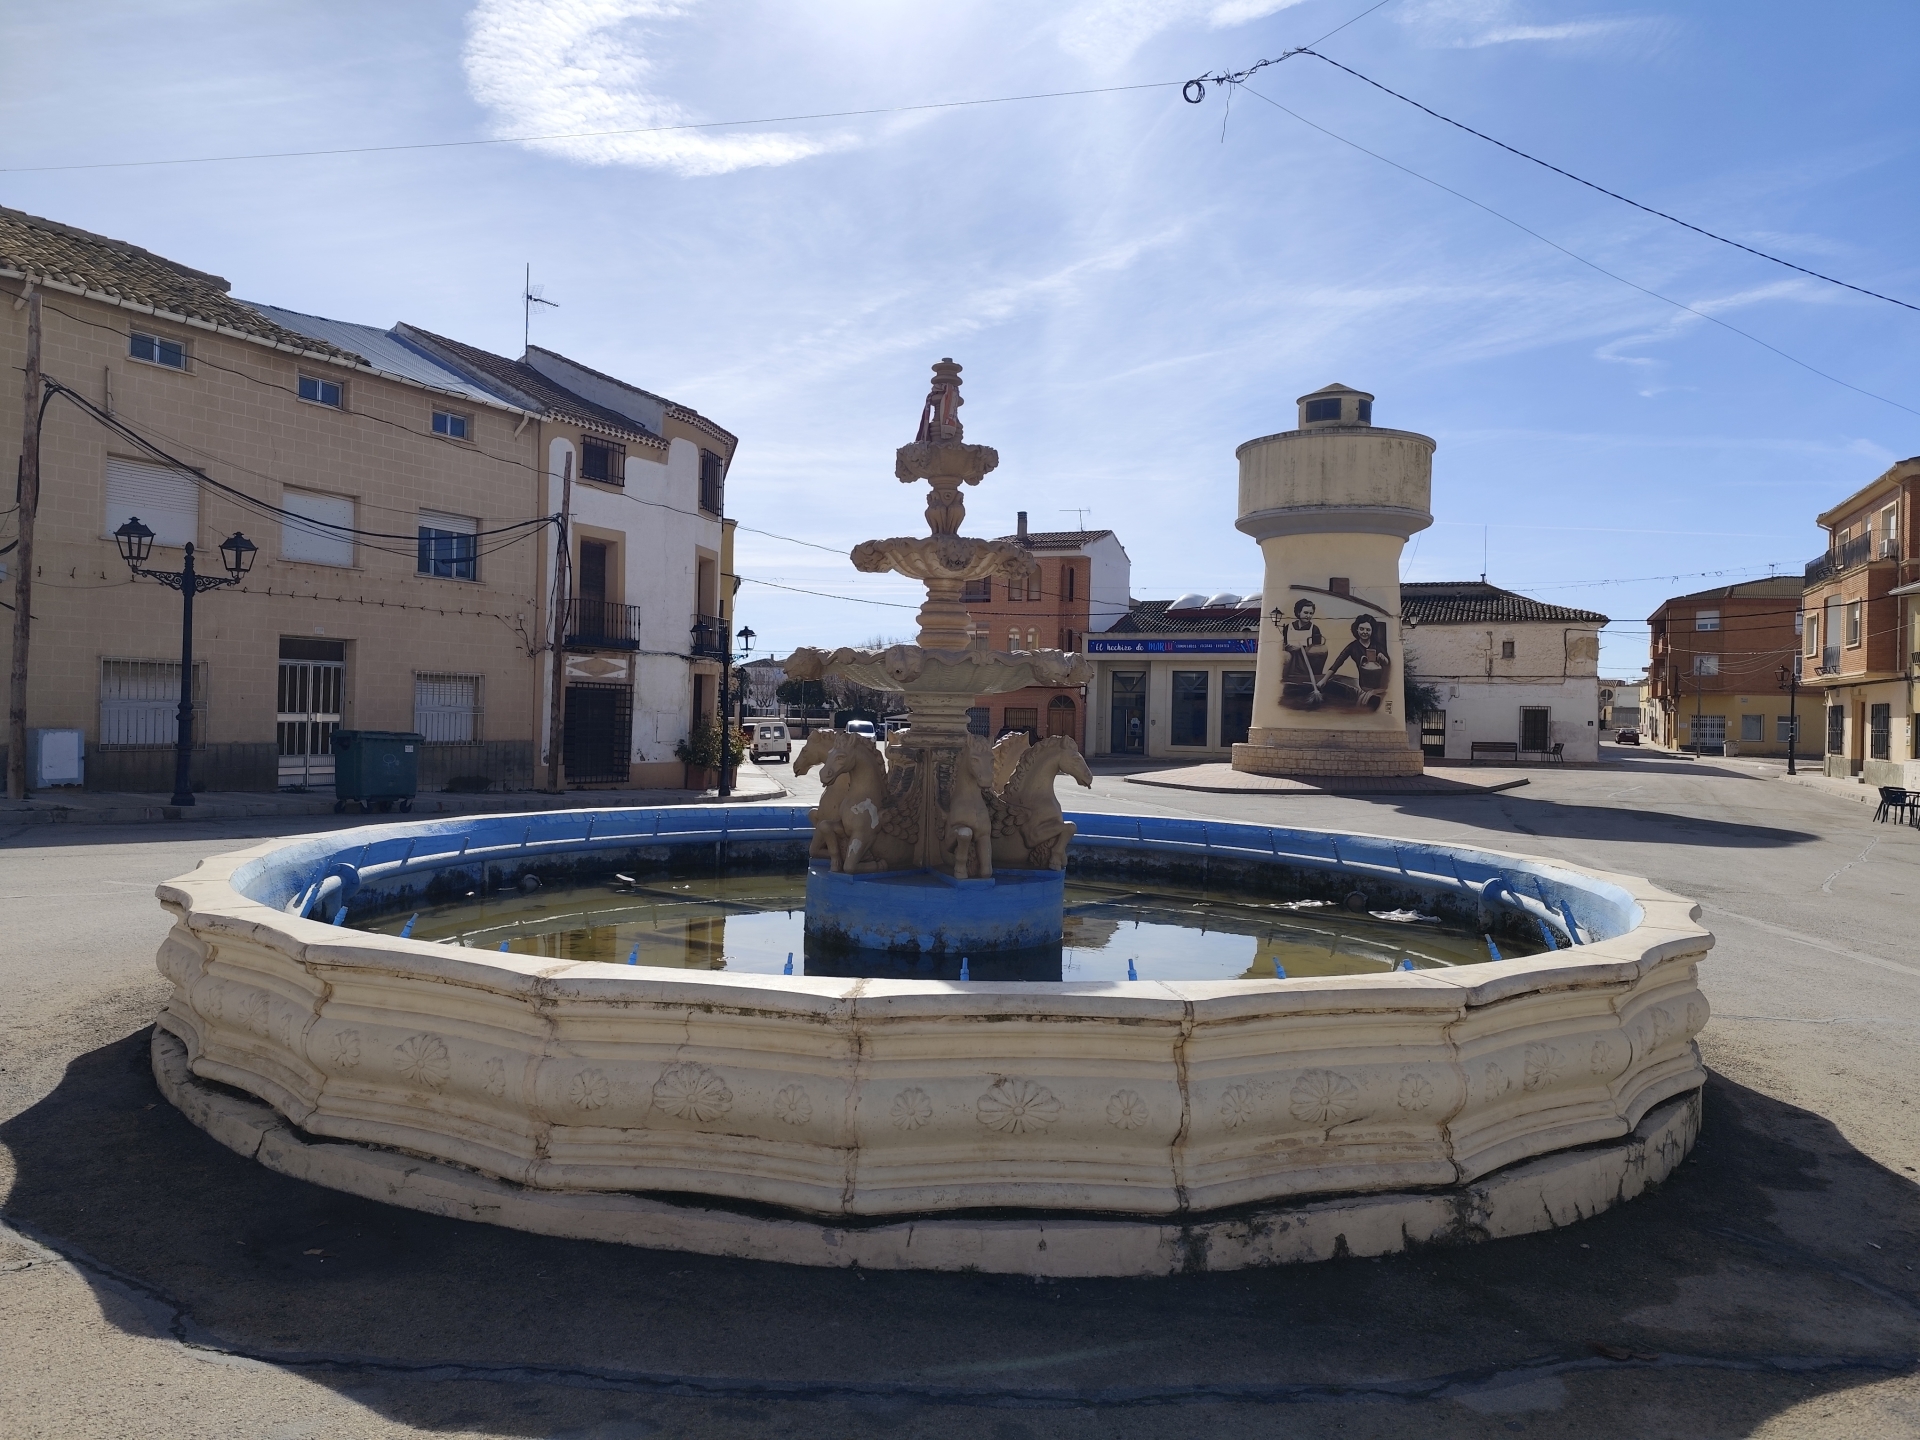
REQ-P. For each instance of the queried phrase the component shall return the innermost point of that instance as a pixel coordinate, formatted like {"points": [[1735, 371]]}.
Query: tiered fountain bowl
{"points": [[873, 1117]]}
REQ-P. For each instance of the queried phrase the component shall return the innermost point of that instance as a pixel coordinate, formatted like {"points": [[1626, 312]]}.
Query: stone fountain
{"points": [[897, 833]]}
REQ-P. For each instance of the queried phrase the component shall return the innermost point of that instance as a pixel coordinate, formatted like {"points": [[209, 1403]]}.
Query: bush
{"points": [[702, 746]]}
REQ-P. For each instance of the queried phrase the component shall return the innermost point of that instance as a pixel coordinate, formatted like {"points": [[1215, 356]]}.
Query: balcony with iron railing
{"points": [[1842, 558], [602, 625], [708, 637]]}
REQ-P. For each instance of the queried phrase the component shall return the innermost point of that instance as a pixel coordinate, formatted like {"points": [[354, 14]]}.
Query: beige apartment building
{"points": [[400, 500]]}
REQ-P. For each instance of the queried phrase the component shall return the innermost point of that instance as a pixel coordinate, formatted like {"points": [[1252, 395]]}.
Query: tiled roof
{"points": [[1057, 539], [533, 389], [1149, 617], [1474, 602], [683, 413], [119, 273], [1775, 587]]}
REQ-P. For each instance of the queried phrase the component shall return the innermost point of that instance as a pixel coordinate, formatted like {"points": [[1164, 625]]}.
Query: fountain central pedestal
{"points": [[942, 842]]}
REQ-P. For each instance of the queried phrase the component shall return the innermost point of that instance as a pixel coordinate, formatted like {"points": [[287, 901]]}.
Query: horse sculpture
{"points": [[1007, 751], [854, 827], [968, 840], [828, 840], [1030, 832]]}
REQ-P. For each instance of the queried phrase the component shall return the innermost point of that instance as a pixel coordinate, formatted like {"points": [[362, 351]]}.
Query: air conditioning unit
{"points": [[56, 757]]}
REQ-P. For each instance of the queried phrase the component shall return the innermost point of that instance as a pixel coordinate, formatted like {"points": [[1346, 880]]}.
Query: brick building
{"points": [[1859, 636], [1714, 672], [1079, 588]]}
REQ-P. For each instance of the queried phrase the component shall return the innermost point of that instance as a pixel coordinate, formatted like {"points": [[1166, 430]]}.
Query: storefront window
{"points": [[1189, 707], [1236, 706]]}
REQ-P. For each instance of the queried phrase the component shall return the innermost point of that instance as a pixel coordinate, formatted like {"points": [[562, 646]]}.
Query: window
{"points": [[1836, 729], [1811, 630], [1033, 638], [1853, 623], [321, 392], [321, 530], [713, 483], [454, 427], [1783, 727], [1236, 706], [1753, 729], [1706, 664], [1879, 732], [447, 546], [1067, 582], [1189, 707], [602, 461], [167, 501], [1022, 717], [1709, 731], [446, 708], [140, 703], [158, 350], [976, 592], [1364, 408], [1706, 620], [1323, 409], [1506, 649], [1830, 633], [1013, 639], [1890, 533], [979, 721]]}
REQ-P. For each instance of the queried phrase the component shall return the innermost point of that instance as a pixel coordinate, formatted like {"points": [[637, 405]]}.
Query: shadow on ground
{"points": [[1719, 1311]]}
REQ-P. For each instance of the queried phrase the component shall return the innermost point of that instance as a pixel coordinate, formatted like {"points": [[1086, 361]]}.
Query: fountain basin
{"points": [[579, 1084]]}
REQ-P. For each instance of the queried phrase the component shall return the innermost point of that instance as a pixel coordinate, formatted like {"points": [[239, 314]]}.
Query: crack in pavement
{"points": [[171, 1316]]}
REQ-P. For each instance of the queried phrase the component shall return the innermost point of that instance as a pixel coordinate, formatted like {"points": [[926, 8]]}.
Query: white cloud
{"points": [[1105, 33], [568, 67], [1471, 24]]}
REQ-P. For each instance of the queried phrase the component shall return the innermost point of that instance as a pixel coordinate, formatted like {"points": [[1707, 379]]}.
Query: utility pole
{"points": [[29, 500], [562, 604]]}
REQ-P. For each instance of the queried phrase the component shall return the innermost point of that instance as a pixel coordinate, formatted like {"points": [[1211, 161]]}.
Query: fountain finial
{"points": [[940, 416]]}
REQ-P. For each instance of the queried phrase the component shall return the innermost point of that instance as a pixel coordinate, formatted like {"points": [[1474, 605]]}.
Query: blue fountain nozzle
{"points": [[340, 916], [504, 946], [1405, 964], [1493, 950], [1132, 974], [407, 929], [633, 956], [1279, 971], [963, 969], [788, 969]]}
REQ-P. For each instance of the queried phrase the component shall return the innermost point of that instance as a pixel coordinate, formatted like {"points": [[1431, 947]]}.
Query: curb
{"points": [[1541, 1194]]}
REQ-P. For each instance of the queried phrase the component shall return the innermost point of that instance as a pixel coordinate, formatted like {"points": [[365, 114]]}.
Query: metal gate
{"points": [[311, 691], [599, 734], [1433, 734]]}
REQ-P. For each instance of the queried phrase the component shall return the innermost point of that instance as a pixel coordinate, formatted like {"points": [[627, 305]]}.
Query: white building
{"points": [[1507, 669], [1173, 679]]}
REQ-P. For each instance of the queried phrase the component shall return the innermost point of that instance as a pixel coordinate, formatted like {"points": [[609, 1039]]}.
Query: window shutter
{"points": [[318, 544], [166, 500]]}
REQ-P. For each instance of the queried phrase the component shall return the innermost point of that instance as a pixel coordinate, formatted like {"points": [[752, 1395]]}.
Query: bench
{"points": [[1493, 749]]}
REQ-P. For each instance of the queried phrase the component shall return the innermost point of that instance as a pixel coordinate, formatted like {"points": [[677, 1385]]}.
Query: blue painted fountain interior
{"points": [[375, 869], [931, 913]]}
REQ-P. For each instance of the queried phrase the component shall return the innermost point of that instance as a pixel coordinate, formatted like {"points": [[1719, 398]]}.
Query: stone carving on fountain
{"points": [[934, 800]]}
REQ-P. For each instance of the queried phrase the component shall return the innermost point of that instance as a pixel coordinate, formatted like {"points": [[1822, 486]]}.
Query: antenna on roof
{"points": [[1079, 513], [530, 297]]}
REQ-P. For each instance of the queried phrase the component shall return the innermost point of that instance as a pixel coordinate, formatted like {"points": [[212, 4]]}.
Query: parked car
{"points": [[863, 727], [1627, 737], [767, 740]]}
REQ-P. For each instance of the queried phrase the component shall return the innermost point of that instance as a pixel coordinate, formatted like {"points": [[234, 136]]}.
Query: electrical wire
{"points": [[1611, 194], [1572, 255]]}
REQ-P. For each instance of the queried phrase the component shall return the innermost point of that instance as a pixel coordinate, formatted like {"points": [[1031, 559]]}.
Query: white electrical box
{"points": [[56, 757]]}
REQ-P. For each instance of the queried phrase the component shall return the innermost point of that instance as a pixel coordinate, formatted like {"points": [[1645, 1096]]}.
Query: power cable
{"points": [[1580, 180], [1572, 255]]}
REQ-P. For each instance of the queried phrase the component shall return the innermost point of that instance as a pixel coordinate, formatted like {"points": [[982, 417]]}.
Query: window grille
{"points": [[1879, 732], [603, 461], [140, 703], [713, 494], [1836, 729], [446, 708]]}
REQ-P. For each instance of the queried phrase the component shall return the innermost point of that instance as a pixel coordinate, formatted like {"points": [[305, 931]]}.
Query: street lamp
{"points": [[236, 553], [1790, 682]]}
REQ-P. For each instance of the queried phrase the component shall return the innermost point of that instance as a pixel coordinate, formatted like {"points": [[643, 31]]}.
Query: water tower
{"points": [[1332, 504]]}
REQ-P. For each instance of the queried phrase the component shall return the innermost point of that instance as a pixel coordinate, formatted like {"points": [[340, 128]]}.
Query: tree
{"points": [[810, 694]]}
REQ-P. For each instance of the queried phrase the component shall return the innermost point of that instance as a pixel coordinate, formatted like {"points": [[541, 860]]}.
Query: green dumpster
{"points": [[378, 768]]}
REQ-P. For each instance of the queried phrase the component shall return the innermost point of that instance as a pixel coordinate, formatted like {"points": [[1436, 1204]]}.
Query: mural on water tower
{"points": [[1357, 679]]}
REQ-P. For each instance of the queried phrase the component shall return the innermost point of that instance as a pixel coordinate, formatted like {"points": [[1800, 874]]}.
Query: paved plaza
{"points": [[153, 1283]]}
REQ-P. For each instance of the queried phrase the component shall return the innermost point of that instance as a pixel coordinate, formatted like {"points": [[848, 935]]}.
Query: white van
{"points": [[862, 727], [767, 740]]}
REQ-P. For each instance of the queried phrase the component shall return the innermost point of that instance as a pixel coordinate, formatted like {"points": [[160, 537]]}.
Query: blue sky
{"points": [[1132, 293]]}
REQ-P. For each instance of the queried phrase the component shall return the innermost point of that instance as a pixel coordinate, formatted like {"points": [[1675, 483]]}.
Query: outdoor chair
{"points": [[1557, 754], [1895, 801]]}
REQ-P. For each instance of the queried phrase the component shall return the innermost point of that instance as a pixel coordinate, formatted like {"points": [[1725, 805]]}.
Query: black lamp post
{"points": [[236, 553], [1790, 682]]}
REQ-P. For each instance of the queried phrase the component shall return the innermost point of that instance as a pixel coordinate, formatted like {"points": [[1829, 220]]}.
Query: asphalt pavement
{"points": [[155, 1284]]}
